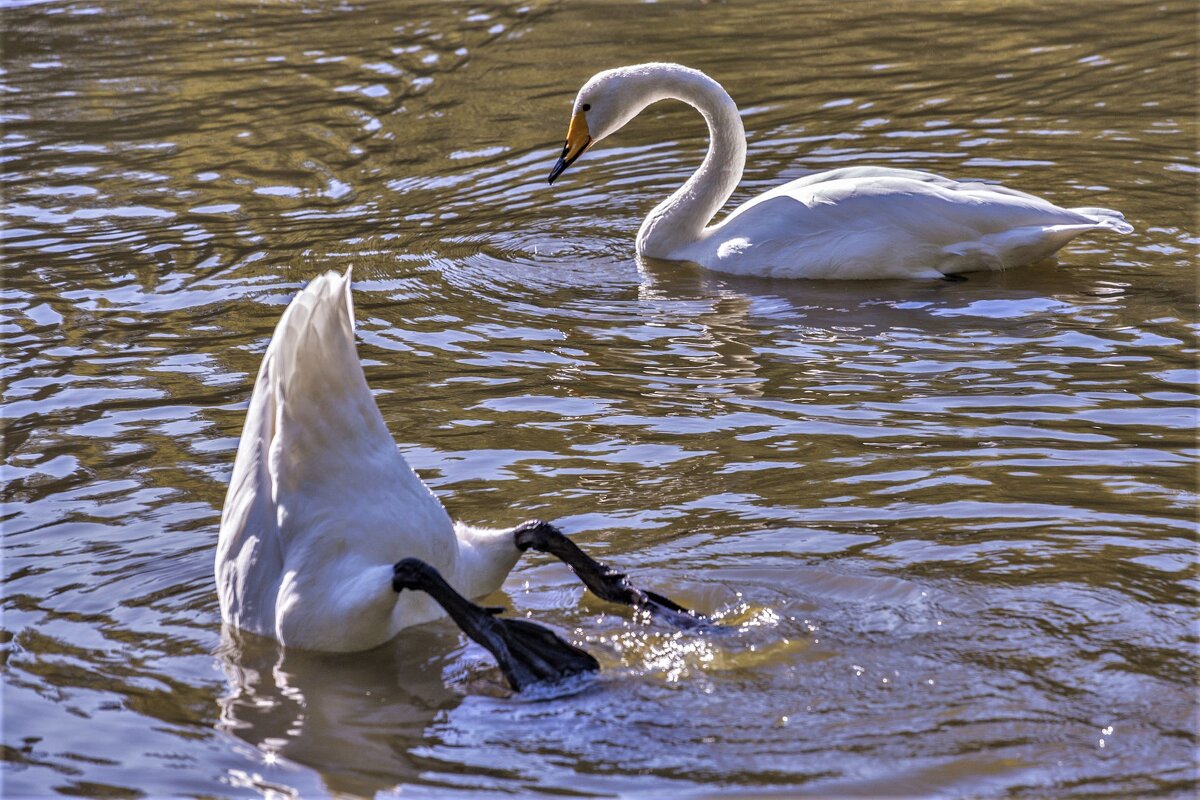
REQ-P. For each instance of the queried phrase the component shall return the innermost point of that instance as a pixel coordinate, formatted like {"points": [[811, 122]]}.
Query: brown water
{"points": [[951, 526]]}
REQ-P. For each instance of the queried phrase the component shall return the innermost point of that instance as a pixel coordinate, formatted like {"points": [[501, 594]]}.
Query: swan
{"points": [[849, 223], [328, 539]]}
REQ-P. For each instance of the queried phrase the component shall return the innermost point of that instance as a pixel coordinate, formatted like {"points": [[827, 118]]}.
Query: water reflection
{"points": [[879, 307], [352, 718]]}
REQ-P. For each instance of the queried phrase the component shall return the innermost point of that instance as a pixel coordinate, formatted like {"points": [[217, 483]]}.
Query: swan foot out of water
{"points": [[848, 223], [605, 582], [326, 527], [527, 653]]}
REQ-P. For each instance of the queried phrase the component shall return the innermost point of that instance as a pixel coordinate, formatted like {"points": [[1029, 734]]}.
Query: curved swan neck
{"points": [[680, 220]]}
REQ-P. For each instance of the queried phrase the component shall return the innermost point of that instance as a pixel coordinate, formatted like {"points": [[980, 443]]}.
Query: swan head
{"points": [[605, 103]]}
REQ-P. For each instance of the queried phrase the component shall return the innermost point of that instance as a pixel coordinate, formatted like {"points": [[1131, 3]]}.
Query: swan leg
{"points": [[527, 653], [605, 582]]}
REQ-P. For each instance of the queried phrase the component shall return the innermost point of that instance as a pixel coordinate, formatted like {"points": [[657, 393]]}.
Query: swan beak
{"points": [[578, 140]]}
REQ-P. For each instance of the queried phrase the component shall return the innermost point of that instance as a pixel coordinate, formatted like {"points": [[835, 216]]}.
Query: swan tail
{"points": [[1018, 246], [316, 472], [314, 341], [251, 544], [334, 440], [324, 409], [318, 437], [1106, 218]]}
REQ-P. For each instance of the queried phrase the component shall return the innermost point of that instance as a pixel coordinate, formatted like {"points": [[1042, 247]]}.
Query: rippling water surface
{"points": [[951, 526]]}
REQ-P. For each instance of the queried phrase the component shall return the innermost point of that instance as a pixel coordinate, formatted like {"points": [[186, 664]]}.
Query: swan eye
{"points": [[586, 107]]}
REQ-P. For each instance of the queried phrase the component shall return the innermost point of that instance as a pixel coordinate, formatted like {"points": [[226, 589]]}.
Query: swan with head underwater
{"points": [[329, 541], [849, 223]]}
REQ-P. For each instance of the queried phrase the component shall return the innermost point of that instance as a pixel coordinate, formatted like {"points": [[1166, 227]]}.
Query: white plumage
{"points": [[322, 504], [852, 223]]}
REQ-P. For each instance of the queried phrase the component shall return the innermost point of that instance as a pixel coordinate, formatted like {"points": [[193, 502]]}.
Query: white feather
{"points": [[322, 504], [856, 222]]}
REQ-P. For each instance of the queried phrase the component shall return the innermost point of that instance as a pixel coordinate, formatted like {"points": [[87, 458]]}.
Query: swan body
{"points": [[851, 223], [321, 504], [329, 541]]}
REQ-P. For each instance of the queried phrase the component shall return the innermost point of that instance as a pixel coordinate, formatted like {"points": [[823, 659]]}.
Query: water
{"points": [[951, 527]]}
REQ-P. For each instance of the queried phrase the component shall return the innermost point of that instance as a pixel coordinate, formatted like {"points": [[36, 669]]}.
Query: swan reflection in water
{"points": [[371, 721], [868, 309], [355, 718], [736, 324]]}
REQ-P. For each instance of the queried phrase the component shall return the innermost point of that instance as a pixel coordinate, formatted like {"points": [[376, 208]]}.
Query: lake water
{"points": [[951, 527]]}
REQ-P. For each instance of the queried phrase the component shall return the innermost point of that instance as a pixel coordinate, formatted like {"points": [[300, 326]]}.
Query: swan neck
{"points": [[681, 219]]}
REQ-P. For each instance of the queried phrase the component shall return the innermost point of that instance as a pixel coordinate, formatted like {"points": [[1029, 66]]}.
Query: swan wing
{"points": [[318, 484], [870, 173], [868, 222]]}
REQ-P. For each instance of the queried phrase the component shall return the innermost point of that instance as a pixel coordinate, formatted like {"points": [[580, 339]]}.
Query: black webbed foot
{"points": [[605, 582], [527, 653]]}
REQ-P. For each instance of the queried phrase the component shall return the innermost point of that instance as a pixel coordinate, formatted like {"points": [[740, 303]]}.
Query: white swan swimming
{"points": [[325, 525], [850, 223]]}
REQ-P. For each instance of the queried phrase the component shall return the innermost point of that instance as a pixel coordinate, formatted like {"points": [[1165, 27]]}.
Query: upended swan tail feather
{"points": [[317, 474], [315, 328]]}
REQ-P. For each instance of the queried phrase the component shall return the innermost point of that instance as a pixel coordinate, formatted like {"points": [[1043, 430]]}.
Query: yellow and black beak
{"points": [[578, 140]]}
